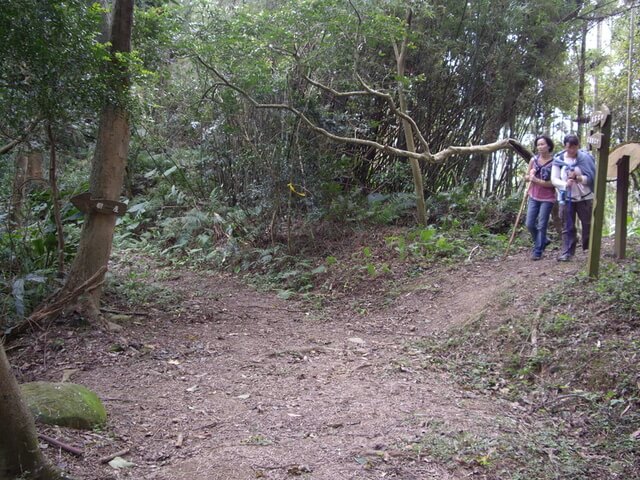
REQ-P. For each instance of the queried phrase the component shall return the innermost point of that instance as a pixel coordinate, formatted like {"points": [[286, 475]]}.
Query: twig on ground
{"points": [[605, 309], [303, 351], [62, 445], [534, 333], [119, 312], [477, 247], [119, 453], [562, 398], [271, 307]]}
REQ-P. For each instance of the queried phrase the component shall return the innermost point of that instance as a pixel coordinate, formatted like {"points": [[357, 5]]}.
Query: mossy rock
{"points": [[64, 404]]}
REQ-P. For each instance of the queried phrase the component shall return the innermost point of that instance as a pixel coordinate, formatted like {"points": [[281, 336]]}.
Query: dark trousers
{"points": [[568, 211]]}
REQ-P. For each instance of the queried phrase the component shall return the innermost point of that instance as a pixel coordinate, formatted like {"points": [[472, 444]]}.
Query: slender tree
{"points": [[400, 51]]}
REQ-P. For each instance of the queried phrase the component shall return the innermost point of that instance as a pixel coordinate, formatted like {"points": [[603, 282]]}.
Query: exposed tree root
{"points": [[56, 303]]}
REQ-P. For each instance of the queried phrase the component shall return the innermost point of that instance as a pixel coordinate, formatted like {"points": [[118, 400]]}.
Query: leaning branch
{"points": [[442, 155], [399, 113], [368, 91], [50, 308], [425, 156], [14, 143], [336, 93]]}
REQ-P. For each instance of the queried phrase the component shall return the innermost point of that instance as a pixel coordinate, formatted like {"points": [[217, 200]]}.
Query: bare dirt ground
{"points": [[232, 383]]}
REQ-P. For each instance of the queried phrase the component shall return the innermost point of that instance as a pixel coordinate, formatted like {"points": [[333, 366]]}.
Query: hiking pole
{"points": [[515, 225]]}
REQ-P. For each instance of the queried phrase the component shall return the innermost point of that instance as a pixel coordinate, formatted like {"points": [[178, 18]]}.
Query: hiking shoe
{"points": [[565, 257], [535, 256]]}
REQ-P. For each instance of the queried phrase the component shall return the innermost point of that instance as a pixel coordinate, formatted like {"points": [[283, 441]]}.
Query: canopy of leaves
{"points": [[474, 71], [50, 59]]}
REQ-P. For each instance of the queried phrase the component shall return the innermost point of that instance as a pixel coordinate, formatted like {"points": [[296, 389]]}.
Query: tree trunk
{"points": [[108, 169], [489, 180], [28, 169], [55, 198], [17, 198], [105, 26], [401, 58], [582, 72], [20, 455]]}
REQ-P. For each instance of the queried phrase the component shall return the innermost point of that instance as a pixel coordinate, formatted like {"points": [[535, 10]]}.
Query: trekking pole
{"points": [[515, 225], [571, 222]]}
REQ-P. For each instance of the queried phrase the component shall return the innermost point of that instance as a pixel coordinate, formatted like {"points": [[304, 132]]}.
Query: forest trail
{"points": [[232, 383]]}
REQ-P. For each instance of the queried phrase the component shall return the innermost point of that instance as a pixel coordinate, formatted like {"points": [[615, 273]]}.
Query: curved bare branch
{"points": [[399, 113], [14, 143], [426, 156]]}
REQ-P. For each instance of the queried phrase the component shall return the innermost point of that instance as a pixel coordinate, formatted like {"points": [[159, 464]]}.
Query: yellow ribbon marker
{"points": [[293, 189]]}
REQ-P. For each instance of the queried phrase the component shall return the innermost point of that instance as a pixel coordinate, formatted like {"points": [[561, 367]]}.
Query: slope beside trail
{"points": [[232, 383]]}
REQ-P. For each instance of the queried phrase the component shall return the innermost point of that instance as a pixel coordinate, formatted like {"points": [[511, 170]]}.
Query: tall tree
{"points": [[620, 88], [50, 61], [109, 162], [49, 75], [463, 83], [400, 51]]}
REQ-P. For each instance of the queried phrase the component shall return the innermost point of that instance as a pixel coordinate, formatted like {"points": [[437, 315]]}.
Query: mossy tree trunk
{"points": [[20, 455]]}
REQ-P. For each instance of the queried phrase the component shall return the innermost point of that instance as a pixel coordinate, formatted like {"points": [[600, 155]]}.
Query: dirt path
{"points": [[237, 384]]}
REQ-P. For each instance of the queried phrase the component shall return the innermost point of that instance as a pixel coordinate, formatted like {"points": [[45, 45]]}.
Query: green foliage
{"points": [[155, 35], [266, 52], [21, 294], [389, 209], [331, 260], [273, 268], [581, 369], [612, 86], [461, 208], [618, 285], [51, 59], [137, 289], [28, 253], [441, 443], [426, 243], [559, 324]]}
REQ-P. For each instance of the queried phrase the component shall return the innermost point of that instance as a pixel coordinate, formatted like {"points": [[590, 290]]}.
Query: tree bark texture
{"points": [[416, 171], [108, 168], [106, 182], [17, 198], [582, 72], [20, 455], [28, 169], [55, 197]]}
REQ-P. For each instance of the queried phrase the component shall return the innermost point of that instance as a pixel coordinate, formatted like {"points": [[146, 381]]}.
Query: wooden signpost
{"points": [[599, 140], [622, 161], [86, 204]]}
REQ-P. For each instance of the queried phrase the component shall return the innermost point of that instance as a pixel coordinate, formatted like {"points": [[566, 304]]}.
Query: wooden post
{"points": [[602, 118], [622, 205]]}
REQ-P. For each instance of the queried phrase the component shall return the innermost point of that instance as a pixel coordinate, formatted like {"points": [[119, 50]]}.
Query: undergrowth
{"points": [[576, 361], [305, 257]]}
